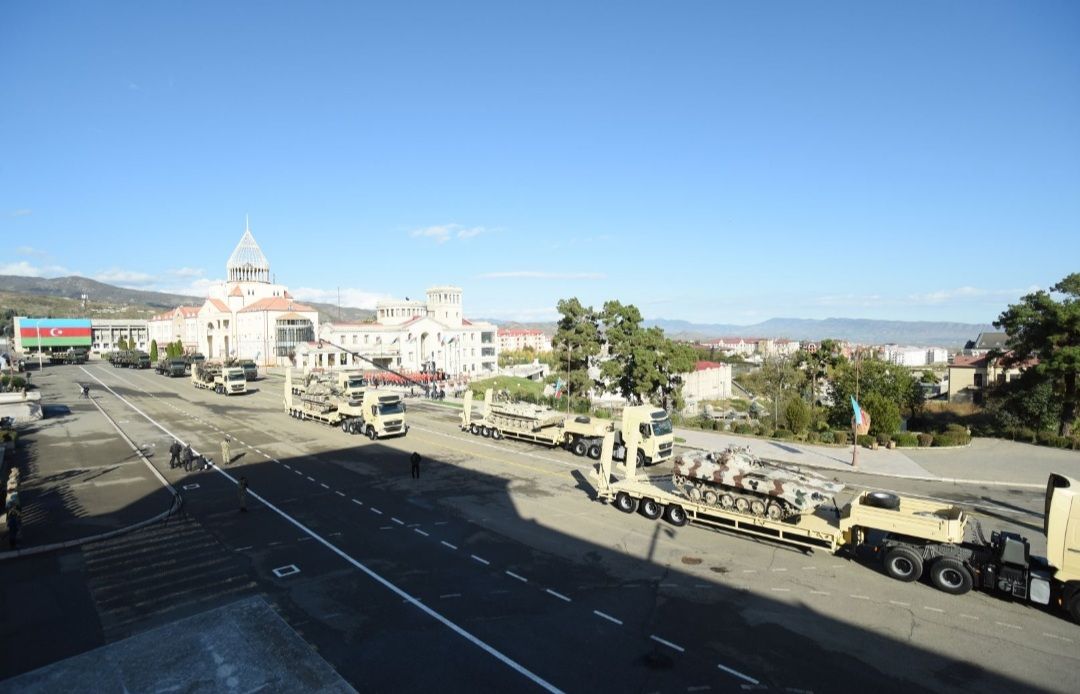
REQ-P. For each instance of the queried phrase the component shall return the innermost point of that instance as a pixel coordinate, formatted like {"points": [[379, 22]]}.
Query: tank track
{"points": [[737, 500]]}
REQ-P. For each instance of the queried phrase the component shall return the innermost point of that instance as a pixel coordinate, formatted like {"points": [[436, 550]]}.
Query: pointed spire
{"points": [[247, 262]]}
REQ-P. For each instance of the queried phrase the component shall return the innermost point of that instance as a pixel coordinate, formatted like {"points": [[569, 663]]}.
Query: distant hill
{"points": [[858, 330], [107, 301]]}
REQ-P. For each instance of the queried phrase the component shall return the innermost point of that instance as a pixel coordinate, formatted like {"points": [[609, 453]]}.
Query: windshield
{"points": [[394, 408], [356, 383], [661, 427], [236, 377]]}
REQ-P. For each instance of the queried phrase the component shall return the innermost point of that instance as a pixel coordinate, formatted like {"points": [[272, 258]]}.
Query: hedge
{"points": [[905, 439]]}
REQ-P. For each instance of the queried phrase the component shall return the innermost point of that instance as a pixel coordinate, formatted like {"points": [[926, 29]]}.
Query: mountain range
{"points": [[138, 303]]}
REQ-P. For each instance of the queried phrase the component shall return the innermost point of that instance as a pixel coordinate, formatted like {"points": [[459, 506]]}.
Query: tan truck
{"points": [[580, 434], [373, 414], [911, 536]]}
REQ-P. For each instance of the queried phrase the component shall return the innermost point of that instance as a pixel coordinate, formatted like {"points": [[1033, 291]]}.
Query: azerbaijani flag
{"points": [[861, 418], [558, 387], [54, 332]]}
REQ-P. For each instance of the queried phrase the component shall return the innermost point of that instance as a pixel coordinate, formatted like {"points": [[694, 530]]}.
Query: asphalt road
{"points": [[497, 571]]}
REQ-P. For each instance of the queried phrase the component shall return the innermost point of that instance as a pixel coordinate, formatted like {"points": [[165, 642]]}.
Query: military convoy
{"points": [[224, 380], [736, 480], [172, 367], [911, 536], [580, 434], [129, 359], [321, 398]]}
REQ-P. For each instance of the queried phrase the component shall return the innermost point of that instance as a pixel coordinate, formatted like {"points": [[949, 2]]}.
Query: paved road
{"points": [[499, 551]]}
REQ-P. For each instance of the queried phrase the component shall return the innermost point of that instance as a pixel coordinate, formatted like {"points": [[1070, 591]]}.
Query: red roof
{"points": [[276, 303], [219, 305], [704, 365], [511, 332], [966, 360], [466, 321]]}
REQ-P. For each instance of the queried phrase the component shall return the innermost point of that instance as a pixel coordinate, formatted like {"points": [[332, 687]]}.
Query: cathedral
{"points": [[245, 317]]}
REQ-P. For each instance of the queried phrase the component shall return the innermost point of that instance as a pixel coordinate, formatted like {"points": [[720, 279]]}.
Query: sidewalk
{"points": [[80, 478]]}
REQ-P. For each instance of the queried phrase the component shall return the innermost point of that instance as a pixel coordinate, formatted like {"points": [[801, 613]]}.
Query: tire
{"points": [[650, 508], [594, 452], [1073, 606], [676, 515], [950, 576], [903, 564], [371, 433], [474, 430], [496, 434], [885, 500], [485, 432], [578, 447], [625, 503], [642, 461]]}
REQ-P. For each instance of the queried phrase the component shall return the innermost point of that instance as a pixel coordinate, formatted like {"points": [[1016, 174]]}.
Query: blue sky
{"points": [[707, 161]]}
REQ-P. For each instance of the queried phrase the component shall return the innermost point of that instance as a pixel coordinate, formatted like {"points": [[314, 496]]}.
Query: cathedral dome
{"points": [[247, 262]]}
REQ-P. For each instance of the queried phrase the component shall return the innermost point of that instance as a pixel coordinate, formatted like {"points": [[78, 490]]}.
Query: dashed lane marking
{"points": [[778, 570], [1055, 636], [449, 595], [374, 510], [288, 467], [340, 493], [511, 574], [397, 520], [933, 609], [820, 592], [418, 531], [1009, 626], [310, 478], [444, 542], [560, 596], [298, 472], [700, 688], [358, 502], [243, 549], [969, 616], [324, 486], [386, 527], [483, 561], [859, 597], [780, 590], [603, 615], [738, 674], [901, 604], [667, 643]]}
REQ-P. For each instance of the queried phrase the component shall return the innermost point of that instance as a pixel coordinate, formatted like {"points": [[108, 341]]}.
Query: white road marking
{"points": [[560, 596], [303, 539], [450, 595], [310, 478], [859, 597], [738, 674], [386, 527], [969, 616], [374, 510], [324, 486], [511, 574], [274, 544], [441, 522], [778, 569], [933, 609], [749, 571], [483, 561], [418, 531], [257, 450], [901, 604], [340, 493], [701, 688], [1055, 636], [780, 590], [608, 617], [298, 472], [1010, 626], [288, 467], [358, 502], [809, 568], [667, 643], [244, 549], [820, 592], [398, 521], [444, 542]]}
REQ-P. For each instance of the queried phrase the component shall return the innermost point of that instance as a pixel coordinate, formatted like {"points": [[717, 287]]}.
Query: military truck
{"points": [[374, 414], [911, 536], [75, 355], [131, 359], [580, 434], [224, 380], [171, 367]]}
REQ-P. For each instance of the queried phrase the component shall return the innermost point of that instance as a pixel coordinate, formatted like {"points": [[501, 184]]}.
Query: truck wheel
{"points": [[903, 564], [1073, 606], [651, 509], [950, 576], [594, 451], [496, 434], [579, 447], [625, 503], [474, 430], [675, 515], [485, 432], [642, 461]]}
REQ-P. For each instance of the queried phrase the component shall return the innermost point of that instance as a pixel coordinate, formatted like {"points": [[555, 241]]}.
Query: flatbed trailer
{"points": [[911, 536]]}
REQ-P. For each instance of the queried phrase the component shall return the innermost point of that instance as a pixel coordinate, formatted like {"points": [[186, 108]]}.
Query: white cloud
{"points": [[125, 277], [187, 272], [21, 268], [538, 275], [24, 212], [350, 297], [29, 250], [441, 233]]}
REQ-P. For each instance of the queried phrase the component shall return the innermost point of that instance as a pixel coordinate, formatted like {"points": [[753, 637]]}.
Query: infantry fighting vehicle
{"points": [[225, 380], [735, 479], [911, 536], [579, 434], [374, 414]]}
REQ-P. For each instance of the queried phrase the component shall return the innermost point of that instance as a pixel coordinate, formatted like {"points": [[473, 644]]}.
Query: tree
{"points": [[1040, 328], [884, 413], [778, 375], [643, 364], [797, 415], [121, 344], [153, 351], [874, 376], [576, 342]]}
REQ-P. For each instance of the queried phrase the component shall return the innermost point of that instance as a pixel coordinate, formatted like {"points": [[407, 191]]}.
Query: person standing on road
{"points": [[187, 457], [226, 453], [14, 523], [86, 391], [241, 491], [415, 460], [174, 454]]}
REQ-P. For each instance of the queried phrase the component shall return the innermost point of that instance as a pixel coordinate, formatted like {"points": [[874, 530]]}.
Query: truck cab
{"points": [[653, 425], [233, 381], [384, 415], [251, 370], [351, 383]]}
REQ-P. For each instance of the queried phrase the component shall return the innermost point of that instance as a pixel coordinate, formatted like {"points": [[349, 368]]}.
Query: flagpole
{"points": [[39, 366], [854, 422]]}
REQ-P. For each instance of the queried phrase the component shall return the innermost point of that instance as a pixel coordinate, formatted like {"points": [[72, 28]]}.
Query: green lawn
{"points": [[514, 385]]}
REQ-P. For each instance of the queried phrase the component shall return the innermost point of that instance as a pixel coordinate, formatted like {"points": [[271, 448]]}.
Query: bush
{"points": [[13, 382], [813, 437], [866, 440], [744, 428], [949, 438], [783, 434], [797, 415], [925, 440], [763, 430], [883, 439], [826, 437], [841, 437], [905, 439]]}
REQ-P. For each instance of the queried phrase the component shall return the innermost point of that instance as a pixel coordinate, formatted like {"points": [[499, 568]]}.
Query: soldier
{"points": [[187, 457], [226, 454], [241, 491], [415, 460], [174, 454], [14, 522]]}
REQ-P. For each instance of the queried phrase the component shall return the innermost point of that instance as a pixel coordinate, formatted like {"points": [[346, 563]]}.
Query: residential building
{"points": [[517, 339]]}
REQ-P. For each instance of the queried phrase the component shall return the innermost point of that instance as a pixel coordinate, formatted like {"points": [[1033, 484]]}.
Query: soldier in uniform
{"points": [[187, 457], [415, 460], [226, 453], [174, 453]]}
